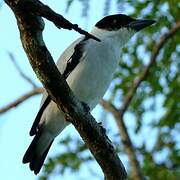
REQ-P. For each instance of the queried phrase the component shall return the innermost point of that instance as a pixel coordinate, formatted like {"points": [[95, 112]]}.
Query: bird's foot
{"points": [[103, 130], [86, 107]]}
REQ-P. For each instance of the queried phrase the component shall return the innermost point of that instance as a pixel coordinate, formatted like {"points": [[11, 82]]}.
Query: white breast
{"points": [[91, 78]]}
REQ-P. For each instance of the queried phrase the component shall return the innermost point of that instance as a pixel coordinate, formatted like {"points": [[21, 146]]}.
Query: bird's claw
{"points": [[86, 107], [103, 130]]}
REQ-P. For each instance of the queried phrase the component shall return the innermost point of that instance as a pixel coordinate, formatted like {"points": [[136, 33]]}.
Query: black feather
{"points": [[114, 22], [28, 156], [34, 127], [75, 58], [35, 160], [38, 166]]}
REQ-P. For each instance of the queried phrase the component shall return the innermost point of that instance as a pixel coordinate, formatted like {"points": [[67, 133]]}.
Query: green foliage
{"points": [[156, 105], [75, 154]]}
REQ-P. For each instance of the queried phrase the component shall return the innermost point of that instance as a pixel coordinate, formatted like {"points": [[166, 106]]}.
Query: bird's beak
{"points": [[137, 25]]}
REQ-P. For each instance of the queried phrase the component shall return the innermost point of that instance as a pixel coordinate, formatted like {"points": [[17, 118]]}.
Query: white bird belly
{"points": [[88, 81]]}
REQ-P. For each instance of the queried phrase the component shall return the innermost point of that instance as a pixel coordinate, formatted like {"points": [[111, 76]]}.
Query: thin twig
{"points": [[119, 113], [22, 74], [59, 21], [21, 99]]}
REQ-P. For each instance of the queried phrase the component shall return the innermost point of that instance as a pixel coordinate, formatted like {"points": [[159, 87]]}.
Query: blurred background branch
{"points": [[35, 91], [18, 101], [24, 76]]}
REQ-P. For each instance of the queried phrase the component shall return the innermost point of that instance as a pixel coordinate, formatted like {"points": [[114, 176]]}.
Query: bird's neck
{"points": [[111, 37]]}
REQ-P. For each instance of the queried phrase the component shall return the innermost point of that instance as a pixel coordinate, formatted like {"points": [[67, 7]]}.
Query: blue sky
{"points": [[15, 125]]}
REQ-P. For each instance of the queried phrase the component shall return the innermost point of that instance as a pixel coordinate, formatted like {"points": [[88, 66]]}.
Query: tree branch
{"points": [[35, 91], [21, 99], [126, 140], [119, 113], [24, 76], [31, 27], [42, 10], [145, 73]]}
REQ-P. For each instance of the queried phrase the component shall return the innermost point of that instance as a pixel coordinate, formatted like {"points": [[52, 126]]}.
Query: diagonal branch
{"points": [[44, 11], [24, 76], [31, 27], [126, 140], [21, 99], [118, 113]]}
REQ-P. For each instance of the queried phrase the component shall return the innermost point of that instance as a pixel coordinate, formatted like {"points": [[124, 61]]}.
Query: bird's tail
{"points": [[37, 151]]}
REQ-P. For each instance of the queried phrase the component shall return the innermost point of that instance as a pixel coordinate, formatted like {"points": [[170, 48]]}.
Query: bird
{"points": [[88, 67]]}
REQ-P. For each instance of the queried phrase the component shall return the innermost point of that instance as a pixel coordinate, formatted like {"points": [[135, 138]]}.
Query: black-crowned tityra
{"points": [[88, 67]]}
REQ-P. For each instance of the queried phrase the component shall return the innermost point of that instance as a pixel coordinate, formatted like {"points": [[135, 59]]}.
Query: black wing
{"points": [[34, 127], [71, 64], [74, 59]]}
